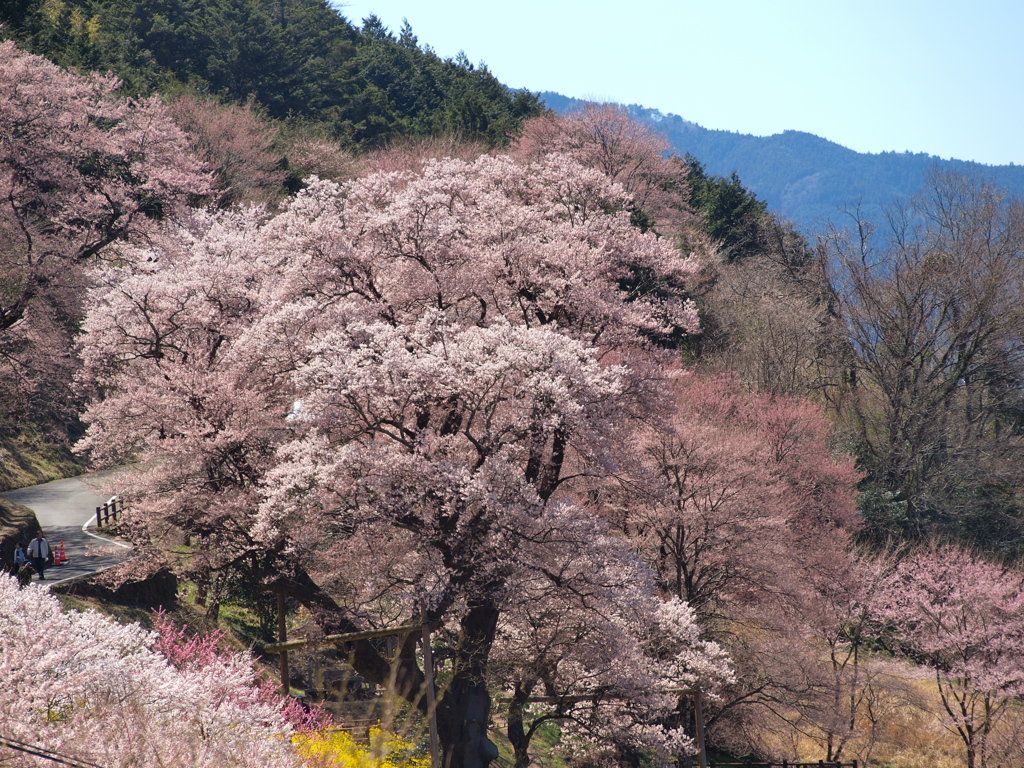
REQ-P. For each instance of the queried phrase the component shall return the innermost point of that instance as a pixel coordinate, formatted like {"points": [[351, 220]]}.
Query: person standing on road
{"points": [[38, 551], [20, 558]]}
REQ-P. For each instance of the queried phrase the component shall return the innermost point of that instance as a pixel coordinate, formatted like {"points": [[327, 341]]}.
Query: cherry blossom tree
{"points": [[741, 508], [385, 400], [160, 339], [606, 138], [80, 168], [237, 143], [414, 153], [82, 685], [962, 617], [740, 489], [598, 652], [841, 693], [615, 686]]}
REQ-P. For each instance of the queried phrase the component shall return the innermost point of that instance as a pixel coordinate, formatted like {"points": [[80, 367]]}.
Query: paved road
{"points": [[66, 510]]}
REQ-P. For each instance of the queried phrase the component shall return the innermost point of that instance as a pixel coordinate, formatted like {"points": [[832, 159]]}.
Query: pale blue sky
{"points": [[935, 76]]}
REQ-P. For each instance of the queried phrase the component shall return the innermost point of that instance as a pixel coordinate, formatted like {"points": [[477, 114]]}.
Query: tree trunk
{"points": [[362, 654], [465, 710], [516, 731]]}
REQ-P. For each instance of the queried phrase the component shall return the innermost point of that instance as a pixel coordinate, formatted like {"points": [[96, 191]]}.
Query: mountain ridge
{"points": [[804, 177]]}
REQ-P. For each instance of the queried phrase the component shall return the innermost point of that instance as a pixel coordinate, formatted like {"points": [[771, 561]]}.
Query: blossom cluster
{"points": [[85, 686]]}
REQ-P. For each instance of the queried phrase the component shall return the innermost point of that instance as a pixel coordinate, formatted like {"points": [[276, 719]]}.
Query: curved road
{"points": [[66, 510]]}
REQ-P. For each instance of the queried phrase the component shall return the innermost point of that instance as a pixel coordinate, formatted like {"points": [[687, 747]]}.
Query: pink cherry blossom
{"points": [[385, 400], [962, 617]]}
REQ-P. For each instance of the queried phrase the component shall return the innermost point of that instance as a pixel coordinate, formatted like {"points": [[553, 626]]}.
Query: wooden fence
{"points": [[784, 764], [109, 513]]}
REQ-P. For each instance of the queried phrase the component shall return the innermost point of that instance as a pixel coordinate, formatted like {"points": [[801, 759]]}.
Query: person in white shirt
{"points": [[38, 551]]}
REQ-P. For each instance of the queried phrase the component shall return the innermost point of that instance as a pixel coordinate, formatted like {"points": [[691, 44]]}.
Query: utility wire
{"points": [[46, 754]]}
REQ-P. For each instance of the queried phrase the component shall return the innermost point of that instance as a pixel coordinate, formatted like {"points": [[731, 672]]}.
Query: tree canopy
{"points": [[463, 359]]}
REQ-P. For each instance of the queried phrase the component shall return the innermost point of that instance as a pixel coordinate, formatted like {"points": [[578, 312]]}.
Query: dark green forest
{"points": [[298, 59]]}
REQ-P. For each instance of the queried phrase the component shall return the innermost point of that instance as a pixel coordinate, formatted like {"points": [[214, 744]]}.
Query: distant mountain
{"points": [[804, 177]]}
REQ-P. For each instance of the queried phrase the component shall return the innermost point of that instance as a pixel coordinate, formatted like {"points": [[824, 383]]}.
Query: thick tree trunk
{"points": [[465, 710]]}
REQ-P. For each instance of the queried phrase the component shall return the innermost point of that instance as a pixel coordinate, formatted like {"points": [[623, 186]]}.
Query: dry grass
{"points": [[911, 732], [26, 459]]}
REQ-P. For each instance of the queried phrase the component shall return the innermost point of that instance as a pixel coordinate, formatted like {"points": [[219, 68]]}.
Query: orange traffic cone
{"points": [[59, 557]]}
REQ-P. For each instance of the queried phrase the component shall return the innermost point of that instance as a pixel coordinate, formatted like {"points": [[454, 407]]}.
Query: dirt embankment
{"points": [[26, 460], [16, 523]]}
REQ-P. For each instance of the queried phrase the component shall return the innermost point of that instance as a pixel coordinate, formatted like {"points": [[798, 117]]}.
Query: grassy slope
{"points": [[14, 518], [26, 459]]}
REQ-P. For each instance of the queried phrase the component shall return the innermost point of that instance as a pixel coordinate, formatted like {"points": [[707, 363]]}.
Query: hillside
{"points": [[804, 177], [298, 59], [16, 524]]}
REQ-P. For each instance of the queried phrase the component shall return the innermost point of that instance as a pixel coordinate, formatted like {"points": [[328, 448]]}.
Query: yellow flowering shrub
{"points": [[337, 748]]}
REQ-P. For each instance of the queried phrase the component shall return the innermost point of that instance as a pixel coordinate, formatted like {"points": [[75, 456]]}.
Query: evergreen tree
{"points": [[297, 58]]}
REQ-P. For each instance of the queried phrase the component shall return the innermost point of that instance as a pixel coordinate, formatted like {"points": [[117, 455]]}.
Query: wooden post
{"points": [[698, 716], [348, 637], [99, 524], [282, 636], [428, 680]]}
